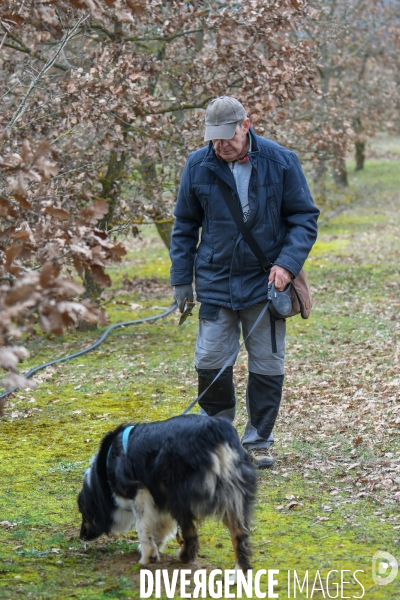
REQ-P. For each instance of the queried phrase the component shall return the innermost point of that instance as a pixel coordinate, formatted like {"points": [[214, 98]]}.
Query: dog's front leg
{"points": [[145, 516], [148, 548], [167, 529]]}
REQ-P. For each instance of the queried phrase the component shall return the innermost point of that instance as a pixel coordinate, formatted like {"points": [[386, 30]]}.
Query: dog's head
{"points": [[94, 506], [95, 501]]}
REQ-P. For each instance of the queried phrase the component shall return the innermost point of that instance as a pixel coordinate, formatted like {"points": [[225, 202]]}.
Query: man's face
{"points": [[232, 149]]}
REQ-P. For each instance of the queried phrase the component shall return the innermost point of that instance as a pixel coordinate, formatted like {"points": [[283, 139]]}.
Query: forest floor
{"points": [[332, 500]]}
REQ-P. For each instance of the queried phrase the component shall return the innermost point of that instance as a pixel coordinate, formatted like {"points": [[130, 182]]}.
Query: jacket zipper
{"points": [[207, 216], [273, 212]]}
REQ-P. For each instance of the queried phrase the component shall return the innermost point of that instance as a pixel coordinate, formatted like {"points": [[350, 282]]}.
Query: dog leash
{"points": [[230, 359], [128, 429]]}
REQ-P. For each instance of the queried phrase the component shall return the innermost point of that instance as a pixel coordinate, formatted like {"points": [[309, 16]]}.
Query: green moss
{"points": [[379, 175]]}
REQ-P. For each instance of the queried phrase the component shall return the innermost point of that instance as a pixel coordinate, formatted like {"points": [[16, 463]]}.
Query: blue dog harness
{"points": [[125, 438]]}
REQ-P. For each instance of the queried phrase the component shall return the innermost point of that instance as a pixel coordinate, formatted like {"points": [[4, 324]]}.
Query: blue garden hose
{"points": [[93, 346]]}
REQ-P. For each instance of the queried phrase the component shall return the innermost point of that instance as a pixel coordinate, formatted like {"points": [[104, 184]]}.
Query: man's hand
{"points": [[183, 293], [280, 276]]}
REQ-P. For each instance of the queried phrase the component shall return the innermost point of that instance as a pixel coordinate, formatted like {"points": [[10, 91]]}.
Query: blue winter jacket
{"points": [[283, 220]]}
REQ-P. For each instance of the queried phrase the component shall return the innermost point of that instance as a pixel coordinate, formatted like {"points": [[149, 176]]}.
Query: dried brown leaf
{"points": [[104, 319], [14, 380], [92, 214], [48, 273], [26, 153], [58, 213], [122, 13], [292, 505], [22, 201], [46, 167], [11, 161], [12, 19], [68, 288], [99, 276], [116, 252], [19, 294], [11, 254], [9, 359], [7, 209]]}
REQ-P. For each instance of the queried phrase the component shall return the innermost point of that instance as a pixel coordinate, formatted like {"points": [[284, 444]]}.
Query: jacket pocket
{"points": [[209, 312], [205, 252]]}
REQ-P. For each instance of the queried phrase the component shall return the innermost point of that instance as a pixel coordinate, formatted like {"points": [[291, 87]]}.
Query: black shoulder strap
{"points": [[244, 230]]}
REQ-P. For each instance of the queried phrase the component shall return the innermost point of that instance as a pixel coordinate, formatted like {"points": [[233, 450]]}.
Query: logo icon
{"points": [[384, 568]]}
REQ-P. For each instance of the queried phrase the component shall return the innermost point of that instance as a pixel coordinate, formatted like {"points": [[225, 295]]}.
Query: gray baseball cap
{"points": [[222, 115]]}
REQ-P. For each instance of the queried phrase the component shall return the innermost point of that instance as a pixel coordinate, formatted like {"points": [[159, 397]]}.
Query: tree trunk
{"points": [[149, 174], [340, 173], [360, 155], [92, 291], [164, 229], [111, 184], [359, 144], [319, 176]]}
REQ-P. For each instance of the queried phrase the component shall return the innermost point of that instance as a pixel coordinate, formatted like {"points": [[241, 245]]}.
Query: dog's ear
{"points": [[101, 462], [105, 447]]}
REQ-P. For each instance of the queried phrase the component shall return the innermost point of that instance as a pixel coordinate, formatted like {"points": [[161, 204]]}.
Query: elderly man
{"points": [[268, 184]]}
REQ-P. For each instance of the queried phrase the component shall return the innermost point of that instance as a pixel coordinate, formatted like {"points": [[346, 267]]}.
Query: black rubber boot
{"points": [[264, 393], [219, 400]]}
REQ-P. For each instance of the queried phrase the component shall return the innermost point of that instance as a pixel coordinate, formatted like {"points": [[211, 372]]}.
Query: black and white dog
{"points": [[166, 475]]}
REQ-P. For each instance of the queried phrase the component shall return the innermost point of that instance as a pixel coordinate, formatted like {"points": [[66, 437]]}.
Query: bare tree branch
{"points": [[49, 63]]}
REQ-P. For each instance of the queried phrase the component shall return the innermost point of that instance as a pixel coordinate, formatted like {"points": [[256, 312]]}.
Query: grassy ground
{"points": [[333, 499]]}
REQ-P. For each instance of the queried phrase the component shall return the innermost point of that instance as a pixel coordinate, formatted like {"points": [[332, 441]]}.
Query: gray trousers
{"points": [[218, 339]]}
